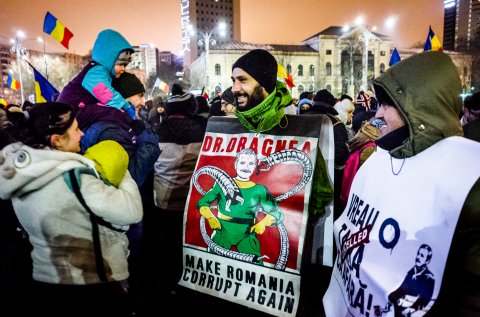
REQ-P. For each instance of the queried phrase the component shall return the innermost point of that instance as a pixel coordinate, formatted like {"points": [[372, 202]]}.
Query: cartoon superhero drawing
{"points": [[240, 202]]}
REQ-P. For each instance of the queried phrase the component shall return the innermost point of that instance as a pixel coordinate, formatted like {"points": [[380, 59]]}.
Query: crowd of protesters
{"points": [[94, 186]]}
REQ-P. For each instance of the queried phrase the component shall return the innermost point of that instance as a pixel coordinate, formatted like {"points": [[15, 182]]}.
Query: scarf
{"points": [[393, 139], [268, 113]]}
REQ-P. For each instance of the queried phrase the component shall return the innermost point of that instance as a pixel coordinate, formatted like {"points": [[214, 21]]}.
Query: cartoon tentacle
{"points": [[282, 257], [284, 247], [284, 156], [225, 181]]}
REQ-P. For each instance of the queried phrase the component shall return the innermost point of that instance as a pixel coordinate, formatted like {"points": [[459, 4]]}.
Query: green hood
{"points": [[426, 88]]}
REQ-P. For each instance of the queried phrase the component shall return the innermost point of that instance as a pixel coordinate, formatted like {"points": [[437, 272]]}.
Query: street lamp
{"points": [[207, 40], [20, 51], [366, 37]]}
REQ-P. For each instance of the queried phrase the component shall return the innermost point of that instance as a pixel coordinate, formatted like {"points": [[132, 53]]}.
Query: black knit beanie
{"points": [[177, 90], [261, 65], [326, 97], [228, 96], [128, 85], [180, 104], [216, 108], [202, 105]]}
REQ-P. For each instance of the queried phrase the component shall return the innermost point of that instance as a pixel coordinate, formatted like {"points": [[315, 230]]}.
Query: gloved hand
{"points": [[131, 111], [212, 220], [260, 226]]}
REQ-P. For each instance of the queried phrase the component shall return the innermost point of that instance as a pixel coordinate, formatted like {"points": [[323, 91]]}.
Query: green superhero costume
{"points": [[236, 224]]}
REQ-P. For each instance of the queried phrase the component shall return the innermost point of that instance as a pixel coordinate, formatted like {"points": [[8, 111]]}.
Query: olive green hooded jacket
{"points": [[426, 89]]}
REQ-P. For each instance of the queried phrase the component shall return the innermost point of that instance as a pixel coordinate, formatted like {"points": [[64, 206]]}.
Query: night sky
{"points": [[266, 21]]}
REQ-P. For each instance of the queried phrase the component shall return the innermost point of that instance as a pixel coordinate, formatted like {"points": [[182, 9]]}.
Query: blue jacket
{"points": [[141, 144], [96, 77]]}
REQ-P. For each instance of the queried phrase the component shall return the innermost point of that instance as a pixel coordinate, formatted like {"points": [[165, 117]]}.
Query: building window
{"points": [[218, 70], [328, 69], [289, 68], [382, 68], [329, 88], [300, 70], [311, 88], [328, 52], [312, 70], [300, 89], [382, 53]]}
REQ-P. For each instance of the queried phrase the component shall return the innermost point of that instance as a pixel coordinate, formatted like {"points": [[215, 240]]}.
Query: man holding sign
{"points": [[251, 250]]}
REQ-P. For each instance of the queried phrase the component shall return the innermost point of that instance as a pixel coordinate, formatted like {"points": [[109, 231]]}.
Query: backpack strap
{"points": [[74, 176], [95, 232]]}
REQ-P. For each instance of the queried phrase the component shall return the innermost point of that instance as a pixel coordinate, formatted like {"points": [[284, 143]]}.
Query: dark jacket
{"points": [[180, 140], [340, 137], [362, 114], [471, 130], [141, 144], [73, 93], [340, 133]]}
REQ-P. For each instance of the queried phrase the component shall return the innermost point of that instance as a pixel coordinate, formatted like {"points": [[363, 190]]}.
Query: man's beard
{"points": [[254, 99]]}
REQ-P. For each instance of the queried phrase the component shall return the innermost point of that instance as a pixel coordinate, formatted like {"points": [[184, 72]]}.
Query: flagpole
{"points": [[18, 50], [45, 56], [155, 85]]}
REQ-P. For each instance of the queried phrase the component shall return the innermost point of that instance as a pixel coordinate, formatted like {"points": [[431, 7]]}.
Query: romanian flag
{"points": [[3, 103], [13, 83], [289, 81], [204, 93], [162, 85], [432, 43], [44, 91], [57, 30], [395, 58], [282, 73]]}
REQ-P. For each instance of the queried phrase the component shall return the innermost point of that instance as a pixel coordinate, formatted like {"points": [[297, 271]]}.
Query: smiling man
{"points": [[260, 98], [260, 101], [429, 195]]}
